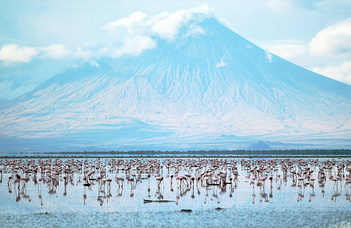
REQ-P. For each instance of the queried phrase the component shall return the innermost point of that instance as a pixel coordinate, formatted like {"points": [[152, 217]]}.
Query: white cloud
{"points": [[195, 29], [269, 56], [340, 72], [104, 51], [133, 34], [14, 53], [134, 19], [134, 46], [297, 51], [334, 40], [224, 21], [134, 22], [86, 56], [167, 25], [221, 63], [130, 35], [56, 51], [83, 54], [287, 50]]}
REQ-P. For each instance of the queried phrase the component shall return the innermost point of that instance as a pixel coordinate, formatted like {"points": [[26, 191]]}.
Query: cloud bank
{"points": [[56, 51], [288, 49], [334, 40], [13, 53], [127, 36], [130, 35], [331, 43], [165, 25], [138, 32]]}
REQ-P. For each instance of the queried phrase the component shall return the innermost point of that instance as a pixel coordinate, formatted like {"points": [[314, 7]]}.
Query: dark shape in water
{"points": [[157, 201]]}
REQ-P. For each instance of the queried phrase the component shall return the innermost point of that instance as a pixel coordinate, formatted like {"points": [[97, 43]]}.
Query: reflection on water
{"points": [[225, 187]]}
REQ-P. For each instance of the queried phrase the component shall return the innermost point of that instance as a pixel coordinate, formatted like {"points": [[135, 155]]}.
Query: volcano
{"points": [[209, 90]]}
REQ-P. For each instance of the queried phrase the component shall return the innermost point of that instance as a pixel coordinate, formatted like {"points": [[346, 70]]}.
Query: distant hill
{"points": [[259, 146]]}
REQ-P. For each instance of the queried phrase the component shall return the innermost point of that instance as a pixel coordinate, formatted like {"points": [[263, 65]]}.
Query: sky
{"points": [[41, 38]]}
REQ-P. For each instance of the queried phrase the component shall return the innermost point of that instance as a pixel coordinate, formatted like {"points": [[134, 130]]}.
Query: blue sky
{"points": [[41, 38]]}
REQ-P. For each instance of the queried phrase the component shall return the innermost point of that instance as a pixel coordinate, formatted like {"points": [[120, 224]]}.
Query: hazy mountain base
{"points": [[152, 139]]}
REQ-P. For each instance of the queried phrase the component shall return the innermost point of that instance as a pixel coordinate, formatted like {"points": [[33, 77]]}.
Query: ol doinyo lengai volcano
{"points": [[196, 85]]}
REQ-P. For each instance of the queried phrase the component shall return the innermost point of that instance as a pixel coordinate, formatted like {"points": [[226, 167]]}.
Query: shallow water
{"points": [[276, 204]]}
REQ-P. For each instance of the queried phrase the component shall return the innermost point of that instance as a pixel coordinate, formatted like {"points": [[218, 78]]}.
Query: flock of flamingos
{"points": [[180, 176]]}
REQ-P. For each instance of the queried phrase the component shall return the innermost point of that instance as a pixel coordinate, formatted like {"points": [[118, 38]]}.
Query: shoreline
{"points": [[330, 153], [172, 156]]}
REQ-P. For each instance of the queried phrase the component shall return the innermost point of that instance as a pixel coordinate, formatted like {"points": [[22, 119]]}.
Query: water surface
{"points": [[280, 202]]}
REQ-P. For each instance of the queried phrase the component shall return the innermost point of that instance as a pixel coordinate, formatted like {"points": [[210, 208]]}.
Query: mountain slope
{"points": [[190, 91]]}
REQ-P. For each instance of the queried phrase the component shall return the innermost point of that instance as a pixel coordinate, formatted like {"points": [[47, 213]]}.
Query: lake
{"points": [[160, 192]]}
